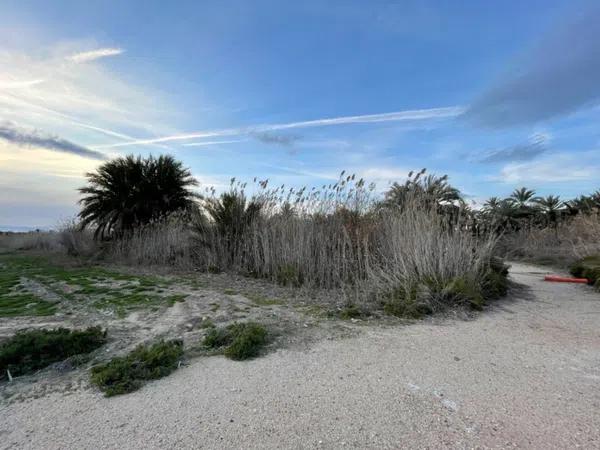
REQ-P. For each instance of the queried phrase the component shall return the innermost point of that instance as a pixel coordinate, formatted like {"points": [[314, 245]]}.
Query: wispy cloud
{"points": [[207, 143], [536, 146], [557, 77], [272, 138], [35, 138], [562, 167], [43, 91], [418, 114], [14, 84], [92, 55]]}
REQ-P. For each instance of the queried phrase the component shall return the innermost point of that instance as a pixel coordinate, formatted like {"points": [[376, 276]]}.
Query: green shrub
{"points": [[288, 275], [126, 374], [407, 303], [588, 267], [239, 341], [351, 311], [431, 295], [29, 351]]}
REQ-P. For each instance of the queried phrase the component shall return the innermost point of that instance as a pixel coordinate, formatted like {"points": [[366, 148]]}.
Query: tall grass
{"points": [[560, 245], [340, 236]]}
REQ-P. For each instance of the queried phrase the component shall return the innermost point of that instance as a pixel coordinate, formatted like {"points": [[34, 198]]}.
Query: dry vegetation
{"points": [[416, 251]]}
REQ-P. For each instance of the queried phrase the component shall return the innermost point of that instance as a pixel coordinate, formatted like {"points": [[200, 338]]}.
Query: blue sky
{"points": [[495, 94]]}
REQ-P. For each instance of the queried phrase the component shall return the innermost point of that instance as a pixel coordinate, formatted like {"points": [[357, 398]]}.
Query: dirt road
{"points": [[524, 374]]}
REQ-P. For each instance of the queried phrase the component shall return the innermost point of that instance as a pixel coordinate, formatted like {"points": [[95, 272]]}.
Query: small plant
{"points": [[29, 351], [351, 311], [239, 341], [588, 267], [288, 275], [126, 374], [406, 303], [261, 300]]}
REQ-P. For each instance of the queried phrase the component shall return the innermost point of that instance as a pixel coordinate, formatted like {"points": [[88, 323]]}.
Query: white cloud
{"points": [[8, 84], [47, 90], [205, 143], [92, 55], [553, 168]]}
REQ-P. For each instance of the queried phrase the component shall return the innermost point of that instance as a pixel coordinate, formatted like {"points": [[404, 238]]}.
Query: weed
{"points": [[230, 292], [29, 351], [126, 374], [351, 311], [12, 305], [112, 291], [175, 298], [288, 275], [239, 341], [588, 267], [403, 302], [261, 300]]}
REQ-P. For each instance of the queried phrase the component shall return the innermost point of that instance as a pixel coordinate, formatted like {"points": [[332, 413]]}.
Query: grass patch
{"points": [[29, 351], [17, 304], [127, 374], [238, 341], [114, 292], [230, 292], [261, 300], [351, 311]]}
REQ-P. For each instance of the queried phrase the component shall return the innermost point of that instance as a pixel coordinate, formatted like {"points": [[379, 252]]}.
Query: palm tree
{"points": [[550, 207], [522, 197], [430, 189], [492, 204], [128, 192], [232, 213]]}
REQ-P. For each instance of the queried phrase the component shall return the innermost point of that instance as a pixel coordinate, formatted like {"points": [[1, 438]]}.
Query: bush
{"points": [[29, 351], [589, 268], [239, 341], [126, 374]]}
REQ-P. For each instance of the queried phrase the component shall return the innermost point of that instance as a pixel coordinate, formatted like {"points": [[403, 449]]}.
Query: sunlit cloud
{"points": [[7, 84], [92, 55]]}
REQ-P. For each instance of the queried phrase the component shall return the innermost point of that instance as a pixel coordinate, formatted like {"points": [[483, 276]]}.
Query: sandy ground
{"points": [[524, 374]]}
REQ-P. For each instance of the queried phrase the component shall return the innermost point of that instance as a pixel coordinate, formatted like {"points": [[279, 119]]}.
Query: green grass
{"points": [[262, 300], [29, 351], [230, 292], [110, 291], [588, 267], [430, 295], [16, 305], [127, 374], [238, 341]]}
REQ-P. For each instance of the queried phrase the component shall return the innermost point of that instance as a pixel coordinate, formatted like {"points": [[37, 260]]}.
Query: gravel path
{"points": [[525, 374]]}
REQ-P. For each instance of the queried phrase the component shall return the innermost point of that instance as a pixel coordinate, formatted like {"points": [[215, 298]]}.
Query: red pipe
{"points": [[565, 279]]}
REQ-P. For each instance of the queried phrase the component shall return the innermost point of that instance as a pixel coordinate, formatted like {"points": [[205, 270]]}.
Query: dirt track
{"points": [[524, 374]]}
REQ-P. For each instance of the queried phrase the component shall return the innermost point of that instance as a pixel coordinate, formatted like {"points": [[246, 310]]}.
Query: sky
{"points": [[496, 94]]}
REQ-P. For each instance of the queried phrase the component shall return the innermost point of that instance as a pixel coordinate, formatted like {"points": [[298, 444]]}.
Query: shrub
{"points": [[29, 351], [239, 341], [588, 267], [126, 374], [406, 302]]}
